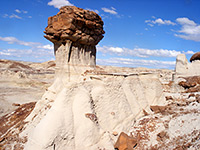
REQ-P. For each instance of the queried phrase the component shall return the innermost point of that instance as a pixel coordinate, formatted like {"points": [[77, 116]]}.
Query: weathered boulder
{"points": [[192, 84], [194, 57], [75, 24], [125, 142]]}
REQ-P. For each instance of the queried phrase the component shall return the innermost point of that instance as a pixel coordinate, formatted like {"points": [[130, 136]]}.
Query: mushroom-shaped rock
{"points": [[75, 32], [194, 57]]}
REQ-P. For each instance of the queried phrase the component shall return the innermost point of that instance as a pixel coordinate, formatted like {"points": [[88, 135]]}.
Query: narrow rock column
{"points": [[181, 64], [75, 32]]}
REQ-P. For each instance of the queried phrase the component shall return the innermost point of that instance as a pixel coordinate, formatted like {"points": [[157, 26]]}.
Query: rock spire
{"points": [[75, 32]]}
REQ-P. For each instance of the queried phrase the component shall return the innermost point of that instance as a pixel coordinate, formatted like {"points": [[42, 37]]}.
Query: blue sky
{"points": [[139, 33]]}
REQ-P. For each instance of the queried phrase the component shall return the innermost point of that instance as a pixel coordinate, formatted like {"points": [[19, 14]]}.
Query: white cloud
{"points": [[95, 10], [59, 3], [6, 54], [136, 63], [189, 37], [140, 52], [10, 40], [151, 25], [115, 49], [14, 40], [35, 52], [159, 21], [113, 8], [111, 11], [15, 16], [185, 21], [107, 49], [189, 29], [21, 11], [48, 46], [35, 55], [12, 16], [17, 10], [189, 52]]}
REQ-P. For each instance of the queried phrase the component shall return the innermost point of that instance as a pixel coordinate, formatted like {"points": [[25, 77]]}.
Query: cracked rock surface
{"points": [[75, 24]]}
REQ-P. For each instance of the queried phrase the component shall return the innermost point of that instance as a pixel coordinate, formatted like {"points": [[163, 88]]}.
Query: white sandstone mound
{"points": [[183, 67], [84, 115]]}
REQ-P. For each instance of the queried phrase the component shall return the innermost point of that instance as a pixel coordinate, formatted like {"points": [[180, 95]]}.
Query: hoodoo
{"points": [[84, 109], [83, 113], [75, 32], [97, 108]]}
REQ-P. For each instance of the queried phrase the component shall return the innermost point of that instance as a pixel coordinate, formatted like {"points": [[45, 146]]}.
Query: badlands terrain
{"points": [[73, 104], [24, 82], [173, 125]]}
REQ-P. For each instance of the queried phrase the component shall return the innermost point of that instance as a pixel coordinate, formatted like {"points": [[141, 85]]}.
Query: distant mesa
{"points": [[194, 57]]}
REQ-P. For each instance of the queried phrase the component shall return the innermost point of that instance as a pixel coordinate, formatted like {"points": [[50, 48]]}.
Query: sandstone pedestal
{"points": [[75, 33]]}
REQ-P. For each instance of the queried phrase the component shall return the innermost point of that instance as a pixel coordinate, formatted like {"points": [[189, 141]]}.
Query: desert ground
{"points": [[174, 124], [23, 82]]}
